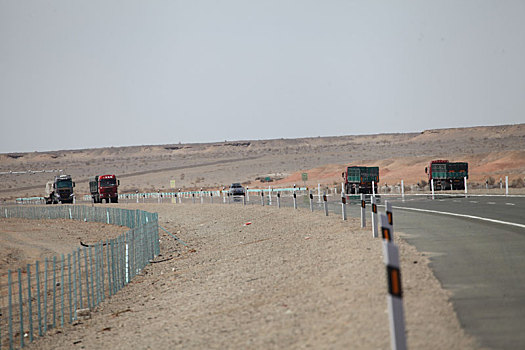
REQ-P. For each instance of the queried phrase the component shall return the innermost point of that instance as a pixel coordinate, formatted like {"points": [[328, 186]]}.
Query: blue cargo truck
{"points": [[358, 179]]}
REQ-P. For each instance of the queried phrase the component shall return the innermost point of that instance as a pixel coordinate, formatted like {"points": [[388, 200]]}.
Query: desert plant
{"points": [[491, 181], [518, 183]]}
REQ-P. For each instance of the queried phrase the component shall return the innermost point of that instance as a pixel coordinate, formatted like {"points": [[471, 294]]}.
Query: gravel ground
{"points": [[263, 278]]}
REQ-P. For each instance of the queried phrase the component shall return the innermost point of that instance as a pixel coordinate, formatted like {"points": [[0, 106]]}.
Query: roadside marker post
{"points": [[247, 194], [363, 212], [506, 185], [311, 200], [395, 292], [294, 200], [244, 200], [279, 200], [374, 216], [262, 198], [432, 187], [211, 197], [269, 195], [343, 206], [193, 197], [373, 188], [325, 204], [403, 190], [319, 192], [395, 296], [466, 189]]}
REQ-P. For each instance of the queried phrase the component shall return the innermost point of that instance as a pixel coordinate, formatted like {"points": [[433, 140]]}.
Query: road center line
{"points": [[462, 216]]}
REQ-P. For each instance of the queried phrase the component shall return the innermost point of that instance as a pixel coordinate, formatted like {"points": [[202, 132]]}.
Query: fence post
{"points": [[325, 204], [21, 308], [363, 212], [374, 216], [69, 289], [54, 291], [39, 307], [343, 206], [29, 303], [10, 304]]}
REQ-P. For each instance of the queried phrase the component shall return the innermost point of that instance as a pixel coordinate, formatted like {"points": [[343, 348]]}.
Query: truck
{"points": [[447, 175], [60, 190], [358, 179], [104, 187]]}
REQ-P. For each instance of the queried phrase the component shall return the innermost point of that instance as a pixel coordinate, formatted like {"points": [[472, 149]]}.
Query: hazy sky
{"points": [[82, 74]]}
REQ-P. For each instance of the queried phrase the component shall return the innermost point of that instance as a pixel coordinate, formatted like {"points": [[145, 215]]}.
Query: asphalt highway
{"points": [[481, 262]]}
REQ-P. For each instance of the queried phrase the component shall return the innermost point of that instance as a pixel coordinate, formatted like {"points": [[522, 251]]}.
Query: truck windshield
{"points": [[108, 182], [64, 183]]}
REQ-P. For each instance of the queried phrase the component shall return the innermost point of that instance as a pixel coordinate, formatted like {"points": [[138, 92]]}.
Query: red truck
{"points": [[104, 187]]}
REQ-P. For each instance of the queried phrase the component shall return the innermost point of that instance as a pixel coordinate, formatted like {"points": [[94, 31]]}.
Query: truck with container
{"points": [[60, 190], [358, 179], [447, 175], [104, 187]]}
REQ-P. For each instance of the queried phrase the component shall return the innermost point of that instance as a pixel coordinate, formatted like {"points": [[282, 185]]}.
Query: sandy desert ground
{"points": [[291, 280], [495, 151]]}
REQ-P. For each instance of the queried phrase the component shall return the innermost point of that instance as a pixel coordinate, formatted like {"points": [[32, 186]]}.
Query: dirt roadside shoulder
{"points": [[261, 278]]}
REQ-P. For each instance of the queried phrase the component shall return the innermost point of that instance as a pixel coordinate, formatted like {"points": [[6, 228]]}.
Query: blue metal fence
{"points": [[36, 298]]}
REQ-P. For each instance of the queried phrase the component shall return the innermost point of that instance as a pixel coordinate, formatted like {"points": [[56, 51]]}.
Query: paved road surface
{"points": [[482, 263]]}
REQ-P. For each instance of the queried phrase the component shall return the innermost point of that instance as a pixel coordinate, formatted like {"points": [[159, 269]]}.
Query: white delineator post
{"points": [[432, 187], [363, 212], [319, 192], [325, 204], [269, 195], [403, 190], [294, 200], [374, 216], [373, 188], [279, 200], [395, 291], [343, 206], [506, 185], [466, 188], [342, 188], [311, 196], [262, 198]]}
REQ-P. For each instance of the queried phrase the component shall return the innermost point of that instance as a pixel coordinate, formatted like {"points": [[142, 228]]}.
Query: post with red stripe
{"points": [[325, 204], [311, 200], [374, 216], [395, 291], [363, 212], [343, 206]]}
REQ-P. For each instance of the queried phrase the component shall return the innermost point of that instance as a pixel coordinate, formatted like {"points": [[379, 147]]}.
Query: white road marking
{"points": [[462, 216], [473, 201], [510, 204], [491, 202]]}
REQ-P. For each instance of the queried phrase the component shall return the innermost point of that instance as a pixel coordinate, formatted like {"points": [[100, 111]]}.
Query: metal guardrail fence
{"points": [[39, 297]]}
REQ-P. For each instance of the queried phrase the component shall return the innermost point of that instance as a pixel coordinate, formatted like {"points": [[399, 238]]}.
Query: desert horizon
{"points": [[492, 152]]}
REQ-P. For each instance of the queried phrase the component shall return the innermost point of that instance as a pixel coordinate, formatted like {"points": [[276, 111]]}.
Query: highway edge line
{"points": [[462, 216]]}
